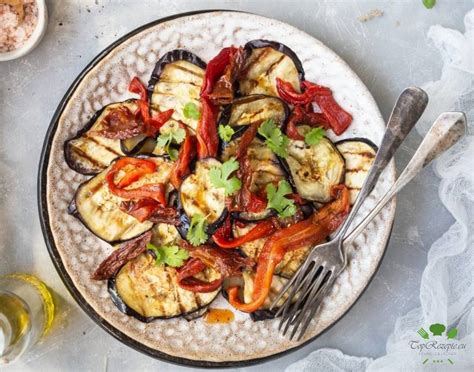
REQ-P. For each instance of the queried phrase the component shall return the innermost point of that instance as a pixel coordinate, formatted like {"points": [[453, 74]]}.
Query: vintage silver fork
{"points": [[327, 260], [448, 128]]}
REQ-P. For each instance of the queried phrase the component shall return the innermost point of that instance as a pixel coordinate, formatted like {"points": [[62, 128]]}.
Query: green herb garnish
{"points": [[220, 176], [226, 132], [191, 111], [277, 201], [197, 230], [429, 3], [274, 138], [169, 255], [165, 140], [314, 136]]}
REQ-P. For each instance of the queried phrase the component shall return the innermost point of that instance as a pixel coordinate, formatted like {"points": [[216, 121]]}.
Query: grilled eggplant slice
{"points": [[251, 109], [359, 154], [267, 60], [99, 211], [176, 81], [148, 291], [197, 195], [265, 167], [88, 152], [291, 261], [314, 169]]}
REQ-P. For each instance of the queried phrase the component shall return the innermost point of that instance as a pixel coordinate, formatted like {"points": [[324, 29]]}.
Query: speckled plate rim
{"points": [[56, 258]]}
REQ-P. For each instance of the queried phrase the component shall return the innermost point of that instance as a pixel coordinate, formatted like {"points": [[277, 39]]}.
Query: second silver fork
{"points": [[444, 133], [325, 262]]}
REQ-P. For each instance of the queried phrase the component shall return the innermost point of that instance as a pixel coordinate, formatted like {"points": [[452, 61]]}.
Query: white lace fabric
{"points": [[447, 285]]}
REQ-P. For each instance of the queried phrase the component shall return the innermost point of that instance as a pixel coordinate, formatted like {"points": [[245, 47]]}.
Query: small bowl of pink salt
{"points": [[22, 26]]}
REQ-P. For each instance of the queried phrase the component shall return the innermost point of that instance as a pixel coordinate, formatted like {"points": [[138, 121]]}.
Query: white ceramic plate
{"points": [[76, 252]]}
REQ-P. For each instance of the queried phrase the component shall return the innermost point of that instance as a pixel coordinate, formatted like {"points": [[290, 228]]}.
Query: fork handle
{"points": [[448, 128], [408, 109]]}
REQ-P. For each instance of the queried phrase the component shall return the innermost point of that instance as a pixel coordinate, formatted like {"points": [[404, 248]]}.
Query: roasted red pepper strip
{"points": [[140, 168], [223, 89], [214, 70], [260, 230], [137, 87], [150, 191], [158, 121], [307, 232], [302, 115], [246, 200], [296, 117], [152, 124], [206, 131], [335, 115], [288, 94], [150, 210], [188, 282], [247, 138], [187, 152]]}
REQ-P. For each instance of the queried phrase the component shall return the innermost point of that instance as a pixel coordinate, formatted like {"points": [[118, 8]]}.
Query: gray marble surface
{"points": [[388, 53]]}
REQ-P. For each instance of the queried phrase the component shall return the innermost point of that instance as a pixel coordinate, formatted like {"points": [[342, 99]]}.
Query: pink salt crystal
{"points": [[14, 34]]}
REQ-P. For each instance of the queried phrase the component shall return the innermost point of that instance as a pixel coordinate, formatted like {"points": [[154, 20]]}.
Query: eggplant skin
{"points": [[148, 292], [198, 195], [175, 81], [359, 154], [265, 61], [98, 209], [88, 153]]}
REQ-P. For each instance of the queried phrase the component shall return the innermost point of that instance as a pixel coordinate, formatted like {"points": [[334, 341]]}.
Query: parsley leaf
{"points": [[169, 255], [314, 136], [191, 111], [429, 3], [276, 199], [226, 132], [274, 138], [220, 176], [197, 230], [165, 140]]}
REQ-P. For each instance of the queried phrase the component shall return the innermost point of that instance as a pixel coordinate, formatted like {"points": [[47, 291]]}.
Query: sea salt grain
{"points": [[13, 32]]}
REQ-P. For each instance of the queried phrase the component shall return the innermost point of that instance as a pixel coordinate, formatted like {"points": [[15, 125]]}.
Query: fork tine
{"points": [[297, 284], [317, 303], [310, 292], [313, 295], [290, 308]]}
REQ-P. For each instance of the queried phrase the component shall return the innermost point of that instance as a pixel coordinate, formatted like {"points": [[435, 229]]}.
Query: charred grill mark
{"points": [[274, 65], [197, 298], [96, 188], [169, 281], [356, 170], [365, 154], [182, 309], [109, 149], [182, 68], [84, 155], [256, 60], [177, 82]]}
